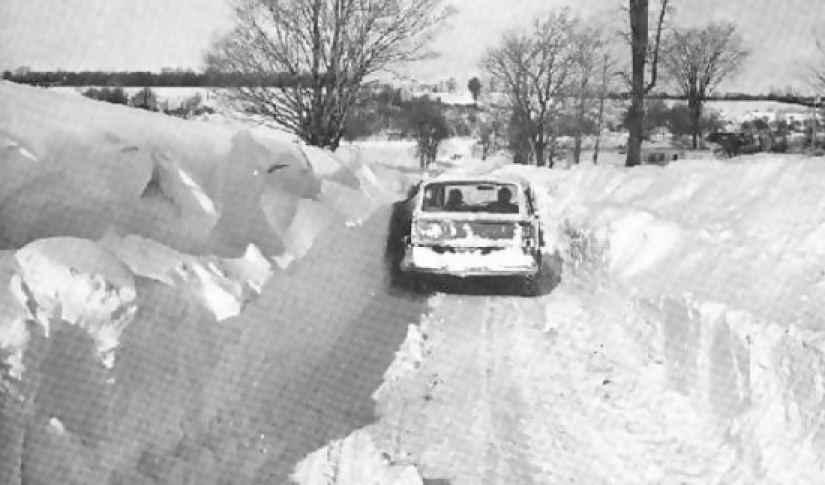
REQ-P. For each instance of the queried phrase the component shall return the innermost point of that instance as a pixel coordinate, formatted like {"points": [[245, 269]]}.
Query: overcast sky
{"points": [[151, 34]]}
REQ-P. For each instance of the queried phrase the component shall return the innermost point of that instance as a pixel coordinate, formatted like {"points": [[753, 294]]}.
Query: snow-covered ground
{"points": [[193, 302], [174, 96]]}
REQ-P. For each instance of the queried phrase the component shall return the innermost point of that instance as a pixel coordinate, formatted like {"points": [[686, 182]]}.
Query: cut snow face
{"points": [[724, 263], [75, 281]]}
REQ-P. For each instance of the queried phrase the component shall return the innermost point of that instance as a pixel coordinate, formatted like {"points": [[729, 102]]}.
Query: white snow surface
{"points": [[197, 302], [724, 263], [134, 247]]}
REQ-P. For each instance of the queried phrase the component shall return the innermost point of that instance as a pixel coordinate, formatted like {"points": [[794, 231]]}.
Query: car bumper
{"points": [[502, 262]]}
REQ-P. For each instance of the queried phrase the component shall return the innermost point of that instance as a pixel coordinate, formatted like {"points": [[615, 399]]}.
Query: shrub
{"points": [[426, 122], [189, 107], [114, 96], [518, 139], [145, 99]]}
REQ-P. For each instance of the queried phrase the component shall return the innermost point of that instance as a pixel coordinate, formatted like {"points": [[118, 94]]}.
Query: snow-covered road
{"points": [[542, 391]]}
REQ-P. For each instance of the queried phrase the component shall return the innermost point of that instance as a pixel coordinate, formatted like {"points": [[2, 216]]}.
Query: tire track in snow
{"points": [[581, 403], [434, 417], [468, 427], [509, 444]]}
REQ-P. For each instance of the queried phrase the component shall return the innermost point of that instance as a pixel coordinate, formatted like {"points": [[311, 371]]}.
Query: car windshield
{"points": [[471, 197]]}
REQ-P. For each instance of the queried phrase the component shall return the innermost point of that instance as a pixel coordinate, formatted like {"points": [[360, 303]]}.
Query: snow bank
{"points": [[725, 261], [82, 168], [158, 325]]}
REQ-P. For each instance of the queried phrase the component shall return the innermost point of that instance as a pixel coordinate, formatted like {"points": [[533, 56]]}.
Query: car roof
{"points": [[487, 178]]}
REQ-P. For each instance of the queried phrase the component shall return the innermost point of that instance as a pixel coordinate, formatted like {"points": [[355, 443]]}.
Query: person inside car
{"points": [[504, 203], [455, 200]]}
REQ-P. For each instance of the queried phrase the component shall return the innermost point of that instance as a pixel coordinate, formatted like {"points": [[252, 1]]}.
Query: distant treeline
{"points": [[209, 79], [781, 98], [189, 79]]}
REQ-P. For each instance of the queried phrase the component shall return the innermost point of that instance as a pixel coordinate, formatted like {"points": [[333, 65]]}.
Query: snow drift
{"points": [[723, 263], [182, 301]]}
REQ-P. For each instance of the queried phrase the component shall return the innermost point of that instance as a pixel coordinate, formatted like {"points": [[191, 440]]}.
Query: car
{"points": [[469, 226]]}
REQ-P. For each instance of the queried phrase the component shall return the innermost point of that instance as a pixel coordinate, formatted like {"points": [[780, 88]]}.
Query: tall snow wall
{"points": [[181, 302], [724, 265]]}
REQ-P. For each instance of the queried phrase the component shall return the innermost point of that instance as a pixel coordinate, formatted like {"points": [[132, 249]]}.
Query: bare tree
{"points": [[606, 64], [816, 69], [638, 12], [532, 66], [327, 48], [587, 47], [698, 59]]}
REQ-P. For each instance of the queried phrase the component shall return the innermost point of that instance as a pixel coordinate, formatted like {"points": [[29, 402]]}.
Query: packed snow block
{"points": [[75, 281], [102, 163], [279, 209], [327, 167], [71, 188], [144, 257], [261, 184], [23, 352], [282, 165], [224, 286], [181, 187], [14, 334], [311, 219], [253, 268], [14, 339], [354, 460], [90, 191]]}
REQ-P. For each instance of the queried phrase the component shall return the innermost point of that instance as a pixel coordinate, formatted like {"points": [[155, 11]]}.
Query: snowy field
{"points": [[733, 110], [196, 302], [173, 95]]}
